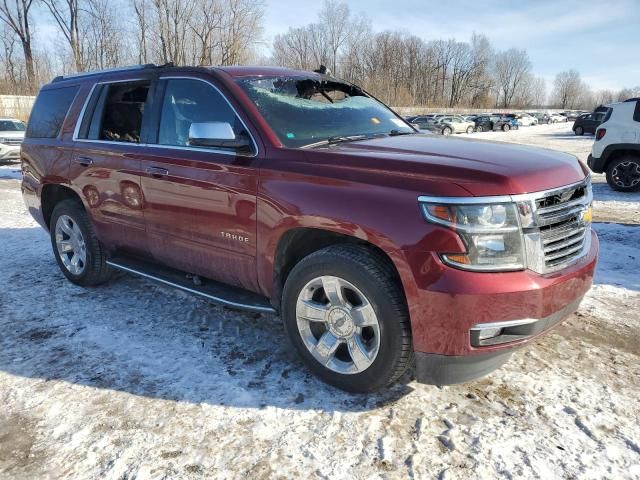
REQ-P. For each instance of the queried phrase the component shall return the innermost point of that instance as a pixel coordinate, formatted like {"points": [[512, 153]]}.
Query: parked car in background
{"points": [[526, 120], [455, 124], [470, 118], [11, 137], [571, 115], [616, 149], [557, 118], [588, 123], [512, 118], [379, 248], [488, 123], [542, 118]]}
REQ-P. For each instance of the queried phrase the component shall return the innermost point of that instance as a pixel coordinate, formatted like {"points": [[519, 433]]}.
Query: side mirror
{"points": [[217, 135]]}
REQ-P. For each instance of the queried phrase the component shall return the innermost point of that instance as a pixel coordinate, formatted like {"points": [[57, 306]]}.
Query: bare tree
{"points": [[335, 20], [66, 13], [511, 68], [141, 11], [567, 86], [17, 18]]}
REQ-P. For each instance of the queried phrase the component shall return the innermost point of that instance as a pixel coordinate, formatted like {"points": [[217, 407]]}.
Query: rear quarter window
{"points": [[49, 112], [636, 112]]}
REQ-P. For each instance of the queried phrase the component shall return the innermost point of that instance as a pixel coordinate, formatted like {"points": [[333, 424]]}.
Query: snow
{"points": [[132, 379], [12, 170]]}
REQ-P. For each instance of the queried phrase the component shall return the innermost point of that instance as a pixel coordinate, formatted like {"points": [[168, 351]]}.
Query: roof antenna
{"points": [[322, 70]]}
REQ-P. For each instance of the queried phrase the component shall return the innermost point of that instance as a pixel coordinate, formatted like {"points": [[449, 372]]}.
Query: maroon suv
{"points": [[286, 191]]}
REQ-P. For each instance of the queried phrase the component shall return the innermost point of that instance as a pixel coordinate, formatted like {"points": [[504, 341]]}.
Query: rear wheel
{"points": [[579, 131], [623, 174], [506, 127], [344, 311], [469, 130], [75, 245]]}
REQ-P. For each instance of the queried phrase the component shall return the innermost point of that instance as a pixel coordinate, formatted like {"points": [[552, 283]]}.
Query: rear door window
{"points": [[49, 112], [115, 112]]}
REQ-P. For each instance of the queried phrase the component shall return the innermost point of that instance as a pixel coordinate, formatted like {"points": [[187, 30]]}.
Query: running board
{"points": [[217, 292]]}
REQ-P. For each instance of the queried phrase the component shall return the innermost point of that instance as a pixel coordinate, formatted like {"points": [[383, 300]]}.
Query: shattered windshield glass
{"points": [[305, 111]]}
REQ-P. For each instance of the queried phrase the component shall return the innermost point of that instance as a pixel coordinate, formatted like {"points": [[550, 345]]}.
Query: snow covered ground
{"points": [[134, 380]]}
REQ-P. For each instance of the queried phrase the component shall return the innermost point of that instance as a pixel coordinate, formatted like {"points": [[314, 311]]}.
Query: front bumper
{"points": [[9, 152], [448, 303], [596, 164], [437, 369]]}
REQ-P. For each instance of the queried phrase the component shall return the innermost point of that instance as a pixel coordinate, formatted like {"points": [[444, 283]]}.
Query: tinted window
{"points": [[192, 101], [117, 116], [636, 113], [49, 112], [12, 126]]}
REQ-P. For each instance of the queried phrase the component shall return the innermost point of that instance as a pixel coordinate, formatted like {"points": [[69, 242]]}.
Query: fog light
{"points": [[487, 333]]}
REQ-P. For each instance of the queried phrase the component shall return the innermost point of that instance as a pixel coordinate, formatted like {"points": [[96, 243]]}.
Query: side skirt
{"points": [[217, 292]]}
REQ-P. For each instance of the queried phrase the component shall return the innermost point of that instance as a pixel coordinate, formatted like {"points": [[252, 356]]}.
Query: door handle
{"points": [[84, 161], [157, 172]]}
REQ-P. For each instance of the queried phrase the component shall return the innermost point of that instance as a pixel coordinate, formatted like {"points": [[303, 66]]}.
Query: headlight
{"points": [[490, 232]]}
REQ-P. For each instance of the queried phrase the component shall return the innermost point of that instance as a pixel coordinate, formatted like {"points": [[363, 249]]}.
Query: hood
{"points": [[479, 167], [11, 134]]}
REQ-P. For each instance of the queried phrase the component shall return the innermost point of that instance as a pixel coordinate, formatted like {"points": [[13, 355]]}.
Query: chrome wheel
{"points": [[338, 325], [626, 174], [71, 246]]}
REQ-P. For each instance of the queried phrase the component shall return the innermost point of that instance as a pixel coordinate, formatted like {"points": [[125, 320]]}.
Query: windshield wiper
{"points": [[395, 133], [340, 139]]}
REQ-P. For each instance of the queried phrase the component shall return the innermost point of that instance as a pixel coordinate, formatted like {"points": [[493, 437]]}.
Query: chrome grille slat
{"points": [[560, 217], [565, 253], [556, 234], [576, 238], [11, 141], [562, 206], [559, 236]]}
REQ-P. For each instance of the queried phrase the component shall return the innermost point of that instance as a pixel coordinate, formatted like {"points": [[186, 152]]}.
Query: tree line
{"points": [[399, 68]]}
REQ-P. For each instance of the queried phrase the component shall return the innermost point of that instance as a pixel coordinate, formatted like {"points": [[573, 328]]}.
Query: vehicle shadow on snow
{"points": [[134, 336], [567, 135]]}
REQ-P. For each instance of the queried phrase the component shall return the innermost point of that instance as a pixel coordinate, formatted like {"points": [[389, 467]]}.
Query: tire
{"points": [[623, 174], [506, 127], [446, 131], [479, 129], [579, 131], [469, 130], [70, 227], [359, 273]]}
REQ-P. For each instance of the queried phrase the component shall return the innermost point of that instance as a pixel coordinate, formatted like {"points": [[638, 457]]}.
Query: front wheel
{"points": [[479, 129], [75, 245], [446, 131], [469, 130], [579, 131], [344, 310], [623, 174]]}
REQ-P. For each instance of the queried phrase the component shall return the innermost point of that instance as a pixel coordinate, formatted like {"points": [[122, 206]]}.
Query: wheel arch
{"points": [[299, 242], [613, 152], [51, 195]]}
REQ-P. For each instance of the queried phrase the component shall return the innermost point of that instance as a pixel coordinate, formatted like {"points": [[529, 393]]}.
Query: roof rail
{"points": [[109, 70], [634, 99]]}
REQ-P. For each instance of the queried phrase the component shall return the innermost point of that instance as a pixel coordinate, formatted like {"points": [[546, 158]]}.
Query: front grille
{"points": [[11, 141], [563, 231]]}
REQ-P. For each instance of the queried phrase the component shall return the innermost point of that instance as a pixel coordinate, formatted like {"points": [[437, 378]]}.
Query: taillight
{"points": [[601, 133]]}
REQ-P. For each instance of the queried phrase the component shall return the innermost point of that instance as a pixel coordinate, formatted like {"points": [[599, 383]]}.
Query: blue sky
{"points": [[600, 39]]}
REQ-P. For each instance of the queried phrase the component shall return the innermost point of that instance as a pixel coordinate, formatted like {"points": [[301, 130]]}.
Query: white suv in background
{"points": [[11, 137], [616, 149]]}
